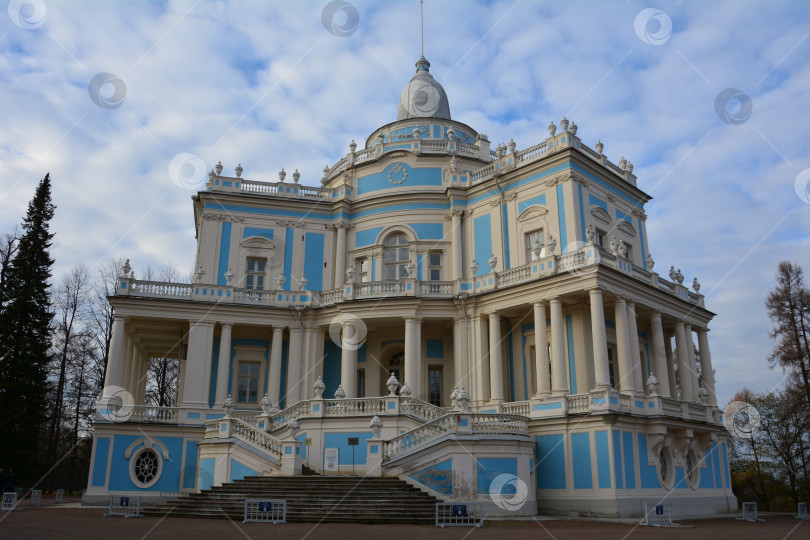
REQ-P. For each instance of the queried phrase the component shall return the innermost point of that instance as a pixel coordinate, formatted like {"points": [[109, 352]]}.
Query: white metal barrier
{"points": [[749, 512], [35, 498], [265, 511], [801, 511], [128, 507], [452, 514], [60, 496], [9, 502], [658, 515]]}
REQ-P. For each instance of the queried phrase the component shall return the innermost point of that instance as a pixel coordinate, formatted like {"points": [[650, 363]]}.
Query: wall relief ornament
{"points": [[397, 174]]}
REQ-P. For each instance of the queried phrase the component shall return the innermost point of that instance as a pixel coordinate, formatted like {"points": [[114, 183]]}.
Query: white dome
{"points": [[423, 96]]}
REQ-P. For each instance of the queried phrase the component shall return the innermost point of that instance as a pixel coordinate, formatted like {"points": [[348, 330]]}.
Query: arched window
{"points": [[396, 256]]}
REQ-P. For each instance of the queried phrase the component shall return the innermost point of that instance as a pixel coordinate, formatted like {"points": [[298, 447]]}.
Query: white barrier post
{"points": [[128, 507], [9, 502], [36, 498], [658, 515], [749, 512], [459, 514], [265, 511], [60, 495], [801, 511]]}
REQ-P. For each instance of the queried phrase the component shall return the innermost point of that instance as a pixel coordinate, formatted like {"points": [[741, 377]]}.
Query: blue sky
{"points": [[267, 85]]}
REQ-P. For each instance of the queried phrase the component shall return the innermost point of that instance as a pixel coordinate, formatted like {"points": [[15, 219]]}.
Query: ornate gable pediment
{"points": [[533, 212], [599, 213], [257, 242], [626, 228]]}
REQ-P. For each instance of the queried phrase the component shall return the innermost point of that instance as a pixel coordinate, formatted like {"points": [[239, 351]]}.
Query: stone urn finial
{"points": [[573, 128], [499, 151], [512, 146], [126, 269], [239, 170], [623, 163], [493, 261], [672, 275], [280, 279], [303, 282], [614, 245], [552, 129], [473, 268], [392, 383], [629, 167], [282, 174], [198, 275], [296, 176], [650, 262], [599, 147], [228, 406], [410, 268], [405, 391], [564, 124], [696, 285], [352, 146], [340, 393], [537, 248], [228, 277], [463, 398], [454, 397], [376, 426], [319, 387], [451, 134], [679, 276], [294, 426], [266, 403], [623, 249], [218, 168], [590, 233], [652, 385], [703, 394]]}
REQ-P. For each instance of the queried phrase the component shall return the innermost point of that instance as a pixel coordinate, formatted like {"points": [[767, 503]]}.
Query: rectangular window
{"points": [[435, 385], [361, 383], [532, 238], [254, 273], [248, 382], [600, 238], [611, 369], [363, 269], [435, 266]]}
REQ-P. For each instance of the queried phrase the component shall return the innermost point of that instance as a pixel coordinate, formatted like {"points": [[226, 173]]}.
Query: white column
{"points": [[481, 368], [458, 259], [318, 337], [684, 369], [413, 355], [198, 368], [127, 371], [117, 356], [659, 354], [690, 347], [625, 376], [673, 383], [274, 384], [340, 258], [559, 381], [307, 380], [639, 375], [541, 350], [224, 366], [495, 359], [348, 359], [144, 374], [601, 365], [706, 371], [294, 360], [460, 369]]}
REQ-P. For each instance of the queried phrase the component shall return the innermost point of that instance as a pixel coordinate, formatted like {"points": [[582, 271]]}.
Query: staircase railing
{"points": [[282, 418], [354, 407], [500, 424], [420, 435], [420, 409], [246, 433]]}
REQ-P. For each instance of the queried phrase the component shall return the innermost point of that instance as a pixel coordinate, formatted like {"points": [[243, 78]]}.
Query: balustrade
{"points": [[420, 409], [153, 414], [354, 407], [516, 407], [160, 289], [499, 424], [624, 402], [578, 403], [514, 275], [436, 287], [422, 434]]}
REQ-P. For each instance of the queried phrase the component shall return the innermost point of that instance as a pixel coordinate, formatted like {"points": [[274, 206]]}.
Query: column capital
{"points": [[226, 324], [278, 327], [412, 318], [539, 303], [200, 322]]}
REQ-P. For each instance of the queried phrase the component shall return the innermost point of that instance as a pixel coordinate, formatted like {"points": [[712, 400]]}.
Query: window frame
{"points": [[398, 264], [251, 273], [530, 256], [249, 376]]}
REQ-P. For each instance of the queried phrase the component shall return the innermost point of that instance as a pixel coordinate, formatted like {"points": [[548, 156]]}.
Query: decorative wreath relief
{"points": [[398, 174]]}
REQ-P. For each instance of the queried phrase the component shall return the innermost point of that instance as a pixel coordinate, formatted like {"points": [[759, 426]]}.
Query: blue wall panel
{"points": [[629, 461], [255, 231], [563, 240], [428, 231], [602, 459], [707, 473], [289, 237], [240, 470], [482, 231], [491, 468], [718, 482], [648, 473], [680, 479], [207, 466], [313, 260], [412, 177], [523, 205], [367, 237], [550, 455], [331, 368], [581, 460], [439, 477], [572, 361], [341, 442], [100, 462], [724, 457], [224, 251], [190, 469], [119, 471]]}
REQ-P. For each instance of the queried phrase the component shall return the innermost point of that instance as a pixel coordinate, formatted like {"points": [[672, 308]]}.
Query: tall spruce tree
{"points": [[25, 338]]}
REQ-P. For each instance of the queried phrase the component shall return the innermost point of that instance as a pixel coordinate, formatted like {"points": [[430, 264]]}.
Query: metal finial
{"points": [[422, 24]]}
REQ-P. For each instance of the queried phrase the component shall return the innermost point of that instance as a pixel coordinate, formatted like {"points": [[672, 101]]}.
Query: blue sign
{"points": [[265, 506], [124, 501], [459, 509], [659, 510]]}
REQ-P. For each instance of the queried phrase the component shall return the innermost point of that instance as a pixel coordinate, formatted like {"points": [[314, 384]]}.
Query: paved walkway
{"points": [[70, 521]]}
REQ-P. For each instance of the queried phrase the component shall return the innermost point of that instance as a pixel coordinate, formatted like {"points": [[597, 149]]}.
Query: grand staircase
{"points": [[311, 498]]}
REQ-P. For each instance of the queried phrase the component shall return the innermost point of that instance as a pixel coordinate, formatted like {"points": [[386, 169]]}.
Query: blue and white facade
{"points": [[512, 290]]}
